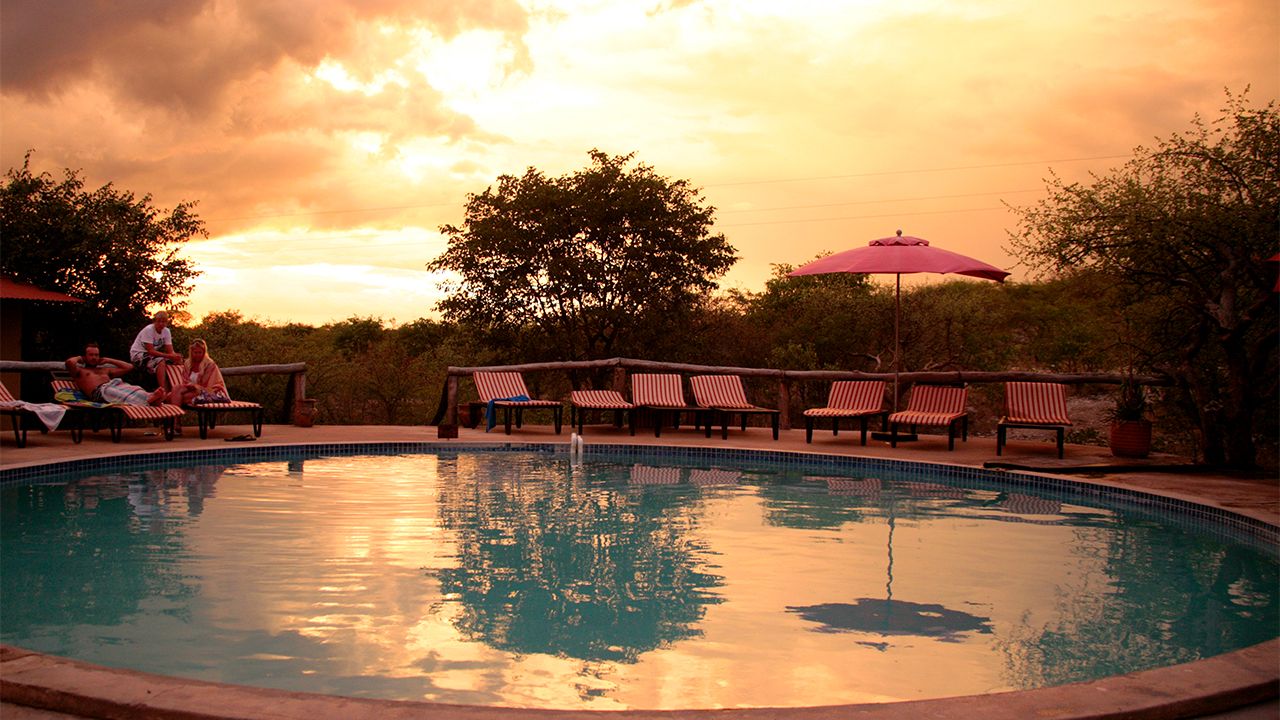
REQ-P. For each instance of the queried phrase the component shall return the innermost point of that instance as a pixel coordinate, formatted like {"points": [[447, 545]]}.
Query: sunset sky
{"points": [[326, 142]]}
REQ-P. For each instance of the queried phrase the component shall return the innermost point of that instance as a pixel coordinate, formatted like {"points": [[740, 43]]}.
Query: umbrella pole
{"points": [[897, 344], [897, 364]]}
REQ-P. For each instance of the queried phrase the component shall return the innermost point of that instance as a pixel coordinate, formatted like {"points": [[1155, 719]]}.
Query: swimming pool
{"points": [[521, 579]]}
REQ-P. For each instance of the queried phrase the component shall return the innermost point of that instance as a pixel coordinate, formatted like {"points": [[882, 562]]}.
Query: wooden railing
{"points": [[447, 412], [295, 392]]}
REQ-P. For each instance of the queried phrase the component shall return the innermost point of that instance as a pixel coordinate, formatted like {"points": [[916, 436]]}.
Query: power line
{"points": [[861, 217], [269, 216], [917, 170], [887, 200]]}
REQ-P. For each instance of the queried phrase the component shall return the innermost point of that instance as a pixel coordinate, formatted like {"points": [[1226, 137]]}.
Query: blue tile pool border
{"points": [[1254, 529]]}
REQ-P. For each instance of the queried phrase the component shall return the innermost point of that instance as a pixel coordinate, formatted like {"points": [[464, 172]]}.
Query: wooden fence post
{"points": [[784, 402], [451, 400]]}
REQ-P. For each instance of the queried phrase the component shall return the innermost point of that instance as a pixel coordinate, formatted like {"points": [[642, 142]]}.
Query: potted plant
{"points": [[1130, 429]]}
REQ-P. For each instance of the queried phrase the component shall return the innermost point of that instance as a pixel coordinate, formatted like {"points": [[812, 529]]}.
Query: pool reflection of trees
{"points": [[1161, 596], [85, 553], [546, 568], [1225, 598]]}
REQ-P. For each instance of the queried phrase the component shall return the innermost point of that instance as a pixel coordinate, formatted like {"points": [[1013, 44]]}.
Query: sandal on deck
{"points": [[238, 438]]}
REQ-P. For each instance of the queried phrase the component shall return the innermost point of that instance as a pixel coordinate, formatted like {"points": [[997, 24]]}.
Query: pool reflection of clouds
{"points": [[425, 589]]}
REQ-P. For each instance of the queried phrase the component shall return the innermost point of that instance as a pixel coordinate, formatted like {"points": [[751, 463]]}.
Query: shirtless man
{"points": [[99, 379]]}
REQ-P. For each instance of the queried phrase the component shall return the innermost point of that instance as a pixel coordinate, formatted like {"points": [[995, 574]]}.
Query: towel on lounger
{"points": [[116, 390], [49, 413], [491, 412]]}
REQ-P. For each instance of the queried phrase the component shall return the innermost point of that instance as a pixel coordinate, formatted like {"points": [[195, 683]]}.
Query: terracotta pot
{"points": [[304, 413], [1131, 438]]}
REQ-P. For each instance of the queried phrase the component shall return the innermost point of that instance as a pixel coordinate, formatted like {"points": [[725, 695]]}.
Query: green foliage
{"points": [[1182, 231], [116, 251], [1131, 403], [837, 321], [587, 265]]}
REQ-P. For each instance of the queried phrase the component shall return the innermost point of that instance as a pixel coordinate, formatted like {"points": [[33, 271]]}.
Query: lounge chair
{"points": [[857, 399], [503, 390], [1034, 406], [22, 415], [115, 415], [207, 413], [661, 394], [723, 396], [933, 405], [581, 401]]}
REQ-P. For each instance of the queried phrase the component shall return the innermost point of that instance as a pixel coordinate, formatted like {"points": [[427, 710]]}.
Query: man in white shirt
{"points": [[154, 347]]}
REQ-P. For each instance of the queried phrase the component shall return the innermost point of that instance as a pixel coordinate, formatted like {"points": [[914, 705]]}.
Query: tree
{"points": [[591, 261], [1183, 229], [108, 247]]}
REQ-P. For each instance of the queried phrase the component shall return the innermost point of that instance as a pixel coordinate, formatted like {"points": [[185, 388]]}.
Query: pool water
{"points": [[518, 579]]}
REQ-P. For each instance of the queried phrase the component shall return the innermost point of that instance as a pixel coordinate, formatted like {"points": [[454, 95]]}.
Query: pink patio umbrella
{"points": [[899, 255]]}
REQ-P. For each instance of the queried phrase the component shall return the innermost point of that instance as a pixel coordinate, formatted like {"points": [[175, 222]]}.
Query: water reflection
{"points": [[105, 529], [894, 617], [593, 575], [519, 580]]}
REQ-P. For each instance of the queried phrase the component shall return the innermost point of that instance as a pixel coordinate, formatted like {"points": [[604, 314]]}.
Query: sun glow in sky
{"points": [[327, 142]]}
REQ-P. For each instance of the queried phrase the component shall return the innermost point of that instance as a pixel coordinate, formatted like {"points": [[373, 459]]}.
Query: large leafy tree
{"points": [[592, 262], [1184, 230], [114, 250]]}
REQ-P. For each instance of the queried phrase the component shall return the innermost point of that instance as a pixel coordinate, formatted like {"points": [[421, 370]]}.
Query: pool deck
{"points": [[1242, 685]]}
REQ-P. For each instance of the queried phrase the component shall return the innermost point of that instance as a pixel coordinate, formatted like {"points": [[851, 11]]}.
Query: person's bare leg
{"points": [[157, 397]]}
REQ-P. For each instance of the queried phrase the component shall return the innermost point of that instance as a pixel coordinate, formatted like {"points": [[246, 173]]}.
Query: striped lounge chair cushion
{"points": [[599, 400], [5, 395], [133, 412], [865, 487], [496, 386], [175, 378], [1035, 403], [649, 475], [704, 477], [932, 405], [657, 390], [719, 391], [850, 398], [1020, 504]]}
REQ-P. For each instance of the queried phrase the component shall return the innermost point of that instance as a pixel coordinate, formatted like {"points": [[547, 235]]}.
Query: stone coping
{"points": [[1217, 684]]}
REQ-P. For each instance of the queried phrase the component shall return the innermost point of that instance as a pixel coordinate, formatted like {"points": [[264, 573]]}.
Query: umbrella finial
{"points": [[899, 232]]}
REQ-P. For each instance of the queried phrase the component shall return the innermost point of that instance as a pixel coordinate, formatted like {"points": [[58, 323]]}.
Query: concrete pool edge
{"points": [[1225, 682]]}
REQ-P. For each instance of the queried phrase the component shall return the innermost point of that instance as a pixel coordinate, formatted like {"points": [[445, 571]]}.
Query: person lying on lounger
{"points": [[99, 379], [204, 380]]}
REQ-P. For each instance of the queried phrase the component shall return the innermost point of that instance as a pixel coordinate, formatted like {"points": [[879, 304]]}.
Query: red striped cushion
{"points": [[932, 405], [1030, 505], [703, 477], [5, 395], [647, 475], [599, 399], [937, 399], [133, 412], [176, 377], [233, 405], [499, 385], [934, 490], [719, 391], [657, 390], [854, 486], [149, 412], [1035, 403], [851, 398]]}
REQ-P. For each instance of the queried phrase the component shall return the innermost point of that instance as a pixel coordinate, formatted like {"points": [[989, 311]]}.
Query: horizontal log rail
{"points": [[447, 412], [295, 392]]}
